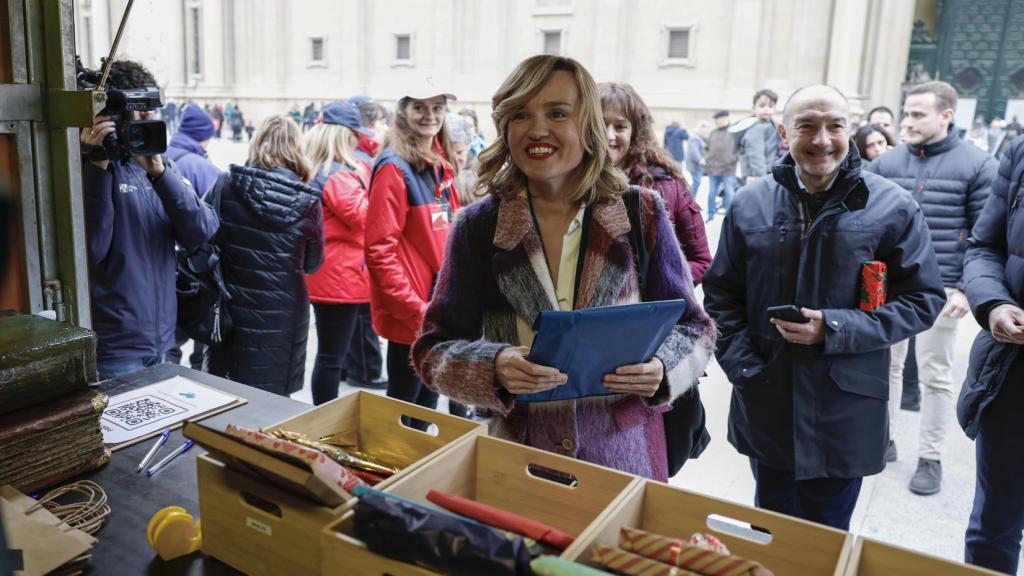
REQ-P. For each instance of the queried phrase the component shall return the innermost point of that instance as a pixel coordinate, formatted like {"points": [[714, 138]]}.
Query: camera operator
{"points": [[135, 211]]}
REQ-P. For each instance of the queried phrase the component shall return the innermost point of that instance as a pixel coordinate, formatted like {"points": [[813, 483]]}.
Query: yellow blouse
{"points": [[561, 296]]}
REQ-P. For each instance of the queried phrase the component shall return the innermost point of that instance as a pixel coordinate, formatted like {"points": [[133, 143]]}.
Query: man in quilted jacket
{"points": [[950, 179]]}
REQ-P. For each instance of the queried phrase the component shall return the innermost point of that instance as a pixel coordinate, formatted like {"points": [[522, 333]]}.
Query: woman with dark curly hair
{"points": [[634, 150], [872, 140]]}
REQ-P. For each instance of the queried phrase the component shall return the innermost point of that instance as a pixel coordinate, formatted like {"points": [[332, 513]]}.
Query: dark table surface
{"points": [[134, 498]]}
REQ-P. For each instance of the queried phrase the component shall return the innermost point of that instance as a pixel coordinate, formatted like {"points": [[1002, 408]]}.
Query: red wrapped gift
{"points": [[700, 559], [874, 281], [633, 564], [502, 519]]}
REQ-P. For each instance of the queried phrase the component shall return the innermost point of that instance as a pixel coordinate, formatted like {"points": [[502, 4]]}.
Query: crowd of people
{"points": [[407, 225], [229, 115]]}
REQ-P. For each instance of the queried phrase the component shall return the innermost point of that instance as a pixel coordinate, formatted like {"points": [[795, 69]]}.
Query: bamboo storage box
{"points": [[260, 528], [493, 472], [797, 548], [873, 558]]}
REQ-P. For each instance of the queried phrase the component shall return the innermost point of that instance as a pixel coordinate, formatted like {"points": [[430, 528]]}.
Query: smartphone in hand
{"points": [[789, 313]]}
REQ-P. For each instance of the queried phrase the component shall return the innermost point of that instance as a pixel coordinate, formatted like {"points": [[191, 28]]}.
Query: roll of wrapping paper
{"points": [[368, 477], [677, 552], [874, 281], [555, 566], [339, 455], [502, 519], [633, 564]]}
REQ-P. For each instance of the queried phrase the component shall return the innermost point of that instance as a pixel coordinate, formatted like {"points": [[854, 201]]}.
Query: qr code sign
{"points": [[140, 412]]}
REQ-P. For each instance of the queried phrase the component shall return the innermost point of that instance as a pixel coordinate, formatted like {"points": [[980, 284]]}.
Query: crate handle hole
{"points": [[417, 425], [739, 529], [262, 504], [551, 475]]}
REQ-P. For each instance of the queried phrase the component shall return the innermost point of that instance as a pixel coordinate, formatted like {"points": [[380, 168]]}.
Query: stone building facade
{"points": [[687, 58]]}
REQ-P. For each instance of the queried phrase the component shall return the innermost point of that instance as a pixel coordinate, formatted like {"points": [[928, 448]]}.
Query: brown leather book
{"points": [[42, 418], [53, 441]]}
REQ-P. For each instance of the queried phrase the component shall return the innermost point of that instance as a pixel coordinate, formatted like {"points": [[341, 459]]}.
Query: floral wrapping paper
{"points": [[874, 279], [327, 470]]}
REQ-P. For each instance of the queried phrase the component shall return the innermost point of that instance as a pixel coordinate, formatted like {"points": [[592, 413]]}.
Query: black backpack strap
{"points": [[216, 191], [636, 236]]}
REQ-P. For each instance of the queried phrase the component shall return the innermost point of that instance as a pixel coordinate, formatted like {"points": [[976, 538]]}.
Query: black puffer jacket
{"points": [[271, 233], [995, 275], [950, 179]]}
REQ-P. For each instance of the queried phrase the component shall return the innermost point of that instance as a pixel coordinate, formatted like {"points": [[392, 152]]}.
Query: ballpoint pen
{"points": [[160, 441], [167, 459]]}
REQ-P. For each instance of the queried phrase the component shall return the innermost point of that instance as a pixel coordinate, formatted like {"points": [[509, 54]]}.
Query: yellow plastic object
{"points": [[157, 518], [173, 533]]}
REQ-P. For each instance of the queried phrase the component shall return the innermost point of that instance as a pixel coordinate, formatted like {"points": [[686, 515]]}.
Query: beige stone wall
{"points": [[258, 51]]}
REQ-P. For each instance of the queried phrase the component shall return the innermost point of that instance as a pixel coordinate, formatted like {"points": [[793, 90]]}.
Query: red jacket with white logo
{"points": [[342, 279], [407, 225]]}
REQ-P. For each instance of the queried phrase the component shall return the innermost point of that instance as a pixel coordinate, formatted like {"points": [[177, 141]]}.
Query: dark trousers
{"points": [[364, 361], [405, 385], [997, 521], [335, 325], [911, 383], [828, 501]]}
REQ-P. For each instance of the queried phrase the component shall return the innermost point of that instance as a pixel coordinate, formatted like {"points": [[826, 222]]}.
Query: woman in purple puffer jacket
{"points": [[634, 150]]}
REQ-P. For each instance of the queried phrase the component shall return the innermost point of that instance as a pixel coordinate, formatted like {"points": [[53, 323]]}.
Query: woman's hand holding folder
{"points": [[640, 379], [520, 376]]}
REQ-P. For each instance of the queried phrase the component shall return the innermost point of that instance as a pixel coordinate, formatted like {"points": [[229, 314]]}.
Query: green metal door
{"points": [[981, 51]]}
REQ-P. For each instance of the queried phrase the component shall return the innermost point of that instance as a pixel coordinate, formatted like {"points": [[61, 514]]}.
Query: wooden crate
{"points": [[874, 558], [259, 528], [494, 472], [797, 547]]}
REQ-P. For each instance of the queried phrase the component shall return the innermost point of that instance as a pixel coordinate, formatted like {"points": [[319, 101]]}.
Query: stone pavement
{"points": [[886, 511]]}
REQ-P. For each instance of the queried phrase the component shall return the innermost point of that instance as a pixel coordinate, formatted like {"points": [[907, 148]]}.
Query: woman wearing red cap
{"points": [[412, 202]]}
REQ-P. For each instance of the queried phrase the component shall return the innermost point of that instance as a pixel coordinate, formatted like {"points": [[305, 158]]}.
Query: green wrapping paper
{"points": [[555, 566]]}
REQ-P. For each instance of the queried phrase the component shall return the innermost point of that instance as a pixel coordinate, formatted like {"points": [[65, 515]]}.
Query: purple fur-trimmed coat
{"points": [[495, 269]]}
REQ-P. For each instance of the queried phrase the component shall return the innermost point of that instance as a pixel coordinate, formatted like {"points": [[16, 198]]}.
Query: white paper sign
{"points": [[1014, 110], [156, 407], [964, 116]]}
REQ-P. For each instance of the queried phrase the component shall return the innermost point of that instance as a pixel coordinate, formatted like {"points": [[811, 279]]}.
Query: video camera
{"points": [[131, 137]]}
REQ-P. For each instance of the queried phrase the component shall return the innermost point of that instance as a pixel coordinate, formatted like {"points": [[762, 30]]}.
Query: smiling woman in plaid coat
{"points": [[554, 199]]}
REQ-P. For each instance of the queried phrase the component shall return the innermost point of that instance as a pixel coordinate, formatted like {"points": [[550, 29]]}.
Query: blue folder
{"points": [[587, 344]]}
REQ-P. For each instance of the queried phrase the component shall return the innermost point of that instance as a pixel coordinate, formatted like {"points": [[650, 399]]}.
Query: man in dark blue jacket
{"points": [[134, 213], [188, 149], [809, 399], [950, 179], [992, 399], [675, 142]]}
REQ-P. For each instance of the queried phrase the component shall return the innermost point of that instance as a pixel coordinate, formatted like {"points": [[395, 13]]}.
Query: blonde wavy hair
{"points": [[499, 176], [324, 144], [406, 143], [278, 142]]}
